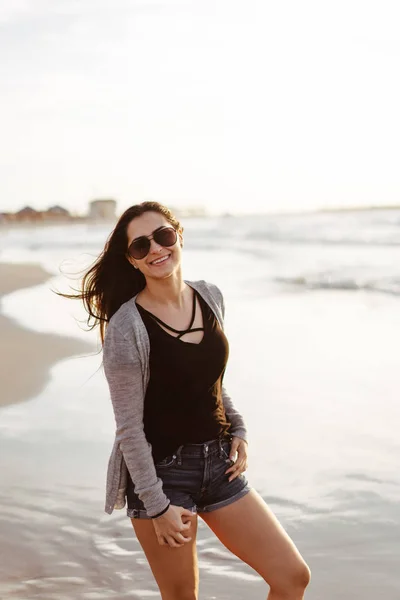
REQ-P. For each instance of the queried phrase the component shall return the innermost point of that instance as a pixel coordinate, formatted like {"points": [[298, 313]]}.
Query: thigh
{"points": [[175, 569], [250, 530]]}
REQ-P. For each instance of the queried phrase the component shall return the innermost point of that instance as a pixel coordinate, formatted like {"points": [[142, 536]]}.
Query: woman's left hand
{"points": [[240, 465]]}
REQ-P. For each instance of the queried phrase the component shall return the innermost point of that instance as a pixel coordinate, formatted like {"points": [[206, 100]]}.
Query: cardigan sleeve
{"points": [[124, 376], [238, 427]]}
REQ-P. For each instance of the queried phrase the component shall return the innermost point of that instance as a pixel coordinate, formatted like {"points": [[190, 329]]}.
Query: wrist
{"points": [[160, 514], [239, 437]]}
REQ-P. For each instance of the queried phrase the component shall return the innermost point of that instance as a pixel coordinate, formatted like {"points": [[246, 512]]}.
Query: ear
{"points": [[131, 260]]}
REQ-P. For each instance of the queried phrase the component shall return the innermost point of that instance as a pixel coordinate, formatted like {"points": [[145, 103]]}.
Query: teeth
{"points": [[160, 260]]}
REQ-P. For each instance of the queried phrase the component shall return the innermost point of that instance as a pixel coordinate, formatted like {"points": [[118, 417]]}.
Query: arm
{"points": [[124, 376], [238, 427]]}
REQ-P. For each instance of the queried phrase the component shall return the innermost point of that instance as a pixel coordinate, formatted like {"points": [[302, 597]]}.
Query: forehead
{"points": [[145, 224]]}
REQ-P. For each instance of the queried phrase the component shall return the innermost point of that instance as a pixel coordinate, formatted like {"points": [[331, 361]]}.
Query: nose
{"points": [[154, 247]]}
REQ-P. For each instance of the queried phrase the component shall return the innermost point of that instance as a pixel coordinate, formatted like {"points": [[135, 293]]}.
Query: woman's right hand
{"points": [[170, 527]]}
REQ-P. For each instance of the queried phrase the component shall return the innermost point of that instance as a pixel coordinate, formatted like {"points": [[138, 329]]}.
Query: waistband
{"points": [[203, 449]]}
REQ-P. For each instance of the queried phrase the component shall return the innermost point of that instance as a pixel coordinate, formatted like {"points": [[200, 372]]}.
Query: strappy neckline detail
{"points": [[180, 331]]}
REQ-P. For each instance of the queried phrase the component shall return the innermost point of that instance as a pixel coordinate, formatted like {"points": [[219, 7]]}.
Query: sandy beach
{"points": [[26, 355], [318, 389]]}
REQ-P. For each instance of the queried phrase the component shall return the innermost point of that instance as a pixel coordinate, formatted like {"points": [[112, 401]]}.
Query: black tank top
{"points": [[183, 401]]}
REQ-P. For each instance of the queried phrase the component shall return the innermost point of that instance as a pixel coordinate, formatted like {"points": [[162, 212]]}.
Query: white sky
{"points": [[250, 105]]}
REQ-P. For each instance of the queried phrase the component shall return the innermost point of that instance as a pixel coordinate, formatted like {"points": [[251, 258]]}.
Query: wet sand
{"points": [[323, 454], [27, 356]]}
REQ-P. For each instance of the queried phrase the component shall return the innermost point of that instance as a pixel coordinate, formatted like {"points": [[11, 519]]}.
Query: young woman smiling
{"points": [[180, 448]]}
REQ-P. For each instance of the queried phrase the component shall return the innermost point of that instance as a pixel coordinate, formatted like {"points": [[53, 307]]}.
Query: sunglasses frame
{"points": [[151, 237]]}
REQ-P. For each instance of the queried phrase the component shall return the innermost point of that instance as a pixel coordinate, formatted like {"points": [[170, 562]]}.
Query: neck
{"points": [[170, 291]]}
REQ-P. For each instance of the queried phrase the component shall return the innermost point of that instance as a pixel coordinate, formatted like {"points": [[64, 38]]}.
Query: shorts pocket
{"points": [[166, 462]]}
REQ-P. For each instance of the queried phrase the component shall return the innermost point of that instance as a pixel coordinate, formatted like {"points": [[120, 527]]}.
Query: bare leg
{"points": [[250, 530], [175, 569]]}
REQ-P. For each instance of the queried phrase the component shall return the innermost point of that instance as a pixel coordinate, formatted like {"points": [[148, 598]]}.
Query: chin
{"points": [[161, 274]]}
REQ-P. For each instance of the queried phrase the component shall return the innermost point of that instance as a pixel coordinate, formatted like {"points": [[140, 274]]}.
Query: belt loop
{"points": [[178, 455], [205, 450]]}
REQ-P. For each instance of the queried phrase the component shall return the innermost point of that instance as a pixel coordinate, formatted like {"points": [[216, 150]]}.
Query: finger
{"points": [[181, 538], [240, 463], [233, 476], [233, 467], [236, 471], [233, 450], [236, 474], [187, 525], [171, 542], [187, 513]]}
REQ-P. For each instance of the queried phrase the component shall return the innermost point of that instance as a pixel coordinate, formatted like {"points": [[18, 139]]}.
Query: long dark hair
{"points": [[112, 280]]}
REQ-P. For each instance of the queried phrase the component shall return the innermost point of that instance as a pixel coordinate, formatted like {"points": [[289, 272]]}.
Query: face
{"points": [[145, 225]]}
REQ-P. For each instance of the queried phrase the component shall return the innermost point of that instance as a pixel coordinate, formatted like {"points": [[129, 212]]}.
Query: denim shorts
{"points": [[194, 477]]}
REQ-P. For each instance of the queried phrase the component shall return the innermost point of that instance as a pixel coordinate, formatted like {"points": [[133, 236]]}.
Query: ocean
{"points": [[312, 318]]}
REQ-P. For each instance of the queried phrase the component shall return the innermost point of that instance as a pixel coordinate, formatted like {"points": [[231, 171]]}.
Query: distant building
{"points": [[103, 210], [28, 214], [57, 212], [6, 217]]}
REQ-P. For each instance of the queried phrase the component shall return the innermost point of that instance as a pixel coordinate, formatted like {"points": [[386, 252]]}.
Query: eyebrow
{"points": [[152, 233]]}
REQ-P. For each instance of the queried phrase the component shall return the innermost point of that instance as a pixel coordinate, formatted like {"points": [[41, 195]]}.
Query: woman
{"points": [[181, 447]]}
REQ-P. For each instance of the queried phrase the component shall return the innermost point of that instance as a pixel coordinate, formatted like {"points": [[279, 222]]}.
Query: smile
{"points": [[159, 261]]}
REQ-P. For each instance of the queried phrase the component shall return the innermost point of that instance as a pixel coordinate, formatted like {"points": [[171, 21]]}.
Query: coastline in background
{"points": [[27, 356], [311, 318]]}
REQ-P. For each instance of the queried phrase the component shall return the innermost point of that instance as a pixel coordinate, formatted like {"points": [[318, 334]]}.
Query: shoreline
{"points": [[27, 356]]}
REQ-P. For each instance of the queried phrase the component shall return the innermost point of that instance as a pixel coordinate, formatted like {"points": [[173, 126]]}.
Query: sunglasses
{"points": [[140, 247]]}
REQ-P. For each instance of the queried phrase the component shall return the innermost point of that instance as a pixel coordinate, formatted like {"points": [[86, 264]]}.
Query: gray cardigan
{"points": [[126, 366]]}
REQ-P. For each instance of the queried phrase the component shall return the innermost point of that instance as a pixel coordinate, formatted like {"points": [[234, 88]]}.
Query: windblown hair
{"points": [[112, 280]]}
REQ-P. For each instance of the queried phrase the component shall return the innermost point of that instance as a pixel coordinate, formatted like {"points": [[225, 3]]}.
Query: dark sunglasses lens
{"points": [[139, 248], [165, 237]]}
